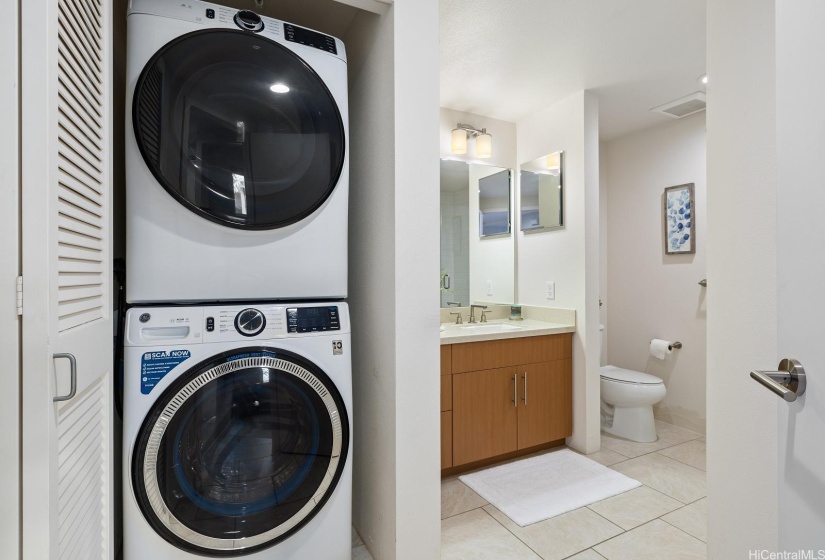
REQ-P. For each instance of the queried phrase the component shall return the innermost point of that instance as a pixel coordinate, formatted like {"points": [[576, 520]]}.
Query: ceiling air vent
{"points": [[683, 106]]}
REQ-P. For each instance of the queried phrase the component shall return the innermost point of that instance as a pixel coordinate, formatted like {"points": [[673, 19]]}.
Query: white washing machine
{"points": [[237, 162], [236, 432]]}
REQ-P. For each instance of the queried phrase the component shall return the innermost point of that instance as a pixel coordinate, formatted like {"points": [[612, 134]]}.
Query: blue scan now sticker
{"points": [[155, 365]]}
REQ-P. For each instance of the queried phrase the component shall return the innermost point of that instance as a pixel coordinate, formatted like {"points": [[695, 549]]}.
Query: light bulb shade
{"points": [[459, 143], [484, 146]]}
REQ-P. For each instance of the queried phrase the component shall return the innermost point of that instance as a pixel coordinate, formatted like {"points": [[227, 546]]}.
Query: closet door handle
{"points": [[515, 390], [525, 388], [73, 373]]}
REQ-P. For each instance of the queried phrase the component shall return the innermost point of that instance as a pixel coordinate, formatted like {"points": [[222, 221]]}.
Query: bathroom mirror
{"points": [[542, 193], [477, 252]]}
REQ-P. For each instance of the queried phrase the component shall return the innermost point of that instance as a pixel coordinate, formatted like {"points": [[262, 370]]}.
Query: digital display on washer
{"points": [[309, 38], [312, 319]]}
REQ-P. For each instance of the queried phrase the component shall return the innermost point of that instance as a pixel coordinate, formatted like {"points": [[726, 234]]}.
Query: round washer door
{"points": [[240, 452], [238, 129]]}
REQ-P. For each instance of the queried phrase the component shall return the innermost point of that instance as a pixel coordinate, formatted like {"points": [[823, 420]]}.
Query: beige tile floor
{"points": [[664, 519]]}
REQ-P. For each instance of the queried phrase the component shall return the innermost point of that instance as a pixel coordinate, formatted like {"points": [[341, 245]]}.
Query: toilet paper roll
{"points": [[660, 348]]}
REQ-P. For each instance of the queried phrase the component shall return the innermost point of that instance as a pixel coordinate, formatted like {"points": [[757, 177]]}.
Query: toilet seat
{"points": [[620, 375]]}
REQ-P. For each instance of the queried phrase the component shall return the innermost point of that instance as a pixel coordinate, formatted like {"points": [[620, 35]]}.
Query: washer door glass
{"points": [[239, 129], [240, 452]]}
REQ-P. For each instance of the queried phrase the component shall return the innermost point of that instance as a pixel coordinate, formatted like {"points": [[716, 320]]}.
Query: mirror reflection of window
{"points": [[494, 204], [542, 193]]}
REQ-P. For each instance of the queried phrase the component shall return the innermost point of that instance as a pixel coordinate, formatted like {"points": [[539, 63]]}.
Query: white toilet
{"points": [[627, 402]]}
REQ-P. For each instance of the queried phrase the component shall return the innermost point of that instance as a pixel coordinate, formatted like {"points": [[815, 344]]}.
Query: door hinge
{"points": [[20, 295]]}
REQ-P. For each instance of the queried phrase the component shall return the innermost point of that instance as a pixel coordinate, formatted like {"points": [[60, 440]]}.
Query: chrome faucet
{"points": [[472, 313], [458, 320]]}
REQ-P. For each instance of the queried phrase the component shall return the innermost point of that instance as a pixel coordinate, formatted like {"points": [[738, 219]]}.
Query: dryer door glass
{"points": [[239, 129], [240, 453]]}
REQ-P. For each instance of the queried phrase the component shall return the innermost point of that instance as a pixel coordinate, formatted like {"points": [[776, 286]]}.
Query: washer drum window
{"points": [[240, 452], [239, 129]]}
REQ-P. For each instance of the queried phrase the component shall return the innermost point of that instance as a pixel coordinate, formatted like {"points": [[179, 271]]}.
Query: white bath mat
{"points": [[538, 488]]}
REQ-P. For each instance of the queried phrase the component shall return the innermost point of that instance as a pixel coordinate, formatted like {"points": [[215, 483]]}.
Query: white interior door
{"points": [[66, 263], [9, 269], [800, 146]]}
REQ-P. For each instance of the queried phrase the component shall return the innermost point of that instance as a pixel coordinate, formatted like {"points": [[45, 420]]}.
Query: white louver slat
{"points": [[82, 164], [83, 477]]}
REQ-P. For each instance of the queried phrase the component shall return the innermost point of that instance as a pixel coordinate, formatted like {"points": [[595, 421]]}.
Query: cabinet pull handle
{"points": [[515, 390], [525, 388]]}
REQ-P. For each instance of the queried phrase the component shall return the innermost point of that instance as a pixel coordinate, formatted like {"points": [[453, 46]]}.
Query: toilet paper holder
{"points": [[674, 346]]}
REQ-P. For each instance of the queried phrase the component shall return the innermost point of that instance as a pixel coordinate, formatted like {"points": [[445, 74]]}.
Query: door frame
{"points": [[10, 518]]}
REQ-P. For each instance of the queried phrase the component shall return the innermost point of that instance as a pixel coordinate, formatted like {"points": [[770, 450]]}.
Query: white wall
{"points": [[654, 295], [490, 258], [742, 316], [603, 225], [394, 277], [569, 256]]}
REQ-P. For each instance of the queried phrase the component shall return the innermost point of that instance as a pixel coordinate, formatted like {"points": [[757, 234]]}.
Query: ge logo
{"points": [[337, 347]]}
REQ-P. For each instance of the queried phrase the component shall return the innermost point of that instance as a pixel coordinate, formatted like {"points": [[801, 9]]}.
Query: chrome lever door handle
{"points": [[789, 382], [73, 373]]}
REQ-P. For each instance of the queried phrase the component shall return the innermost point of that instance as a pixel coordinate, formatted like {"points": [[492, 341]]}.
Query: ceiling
{"points": [[507, 59]]}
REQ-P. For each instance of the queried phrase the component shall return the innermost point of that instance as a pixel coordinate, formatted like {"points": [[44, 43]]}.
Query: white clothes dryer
{"points": [[237, 165], [236, 432]]}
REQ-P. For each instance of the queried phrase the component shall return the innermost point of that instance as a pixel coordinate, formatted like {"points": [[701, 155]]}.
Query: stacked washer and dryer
{"points": [[237, 367]]}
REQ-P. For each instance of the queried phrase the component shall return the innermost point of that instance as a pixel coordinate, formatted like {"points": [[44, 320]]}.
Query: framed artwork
{"points": [[680, 220]]}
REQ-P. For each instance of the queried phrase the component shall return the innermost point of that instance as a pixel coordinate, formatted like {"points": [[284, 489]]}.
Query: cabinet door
{"points": [[545, 411], [484, 414], [446, 439]]}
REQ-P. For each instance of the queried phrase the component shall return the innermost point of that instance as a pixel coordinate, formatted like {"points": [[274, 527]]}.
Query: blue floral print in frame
{"points": [[680, 220]]}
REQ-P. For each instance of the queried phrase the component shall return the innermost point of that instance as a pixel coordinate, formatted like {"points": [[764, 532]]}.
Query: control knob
{"points": [[250, 322], [249, 21]]}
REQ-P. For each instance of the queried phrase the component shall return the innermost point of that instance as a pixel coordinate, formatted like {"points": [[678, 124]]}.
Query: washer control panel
{"points": [[160, 326]]}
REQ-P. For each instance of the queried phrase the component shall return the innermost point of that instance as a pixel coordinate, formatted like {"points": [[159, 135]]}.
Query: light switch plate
{"points": [[489, 287], [551, 289]]}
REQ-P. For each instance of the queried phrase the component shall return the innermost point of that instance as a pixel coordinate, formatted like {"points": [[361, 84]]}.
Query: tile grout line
{"points": [[512, 533], [463, 512], [683, 531], [679, 460]]}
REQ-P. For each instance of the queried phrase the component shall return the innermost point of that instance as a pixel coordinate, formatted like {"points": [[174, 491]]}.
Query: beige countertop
{"points": [[497, 329]]}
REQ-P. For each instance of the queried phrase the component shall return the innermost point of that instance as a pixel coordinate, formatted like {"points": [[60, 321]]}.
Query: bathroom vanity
{"points": [[506, 390]]}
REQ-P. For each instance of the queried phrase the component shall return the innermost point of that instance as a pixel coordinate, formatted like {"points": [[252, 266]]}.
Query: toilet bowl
{"points": [[627, 402]]}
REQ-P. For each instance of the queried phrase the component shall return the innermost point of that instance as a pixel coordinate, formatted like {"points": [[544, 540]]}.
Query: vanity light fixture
{"points": [[484, 141]]}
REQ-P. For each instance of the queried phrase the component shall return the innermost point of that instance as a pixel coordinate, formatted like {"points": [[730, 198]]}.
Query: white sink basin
{"points": [[490, 328]]}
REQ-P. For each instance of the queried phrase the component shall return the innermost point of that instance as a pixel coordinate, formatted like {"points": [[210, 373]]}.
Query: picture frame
{"points": [[680, 220]]}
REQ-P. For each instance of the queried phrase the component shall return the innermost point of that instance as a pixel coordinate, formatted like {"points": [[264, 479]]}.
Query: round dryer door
{"points": [[238, 129], [240, 452]]}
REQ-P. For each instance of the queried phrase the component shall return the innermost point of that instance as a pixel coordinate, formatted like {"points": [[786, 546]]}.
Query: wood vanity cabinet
{"points": [[507, 395]]}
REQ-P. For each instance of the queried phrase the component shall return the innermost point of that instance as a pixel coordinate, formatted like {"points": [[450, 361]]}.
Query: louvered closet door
{"points": [[66, 233]]}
